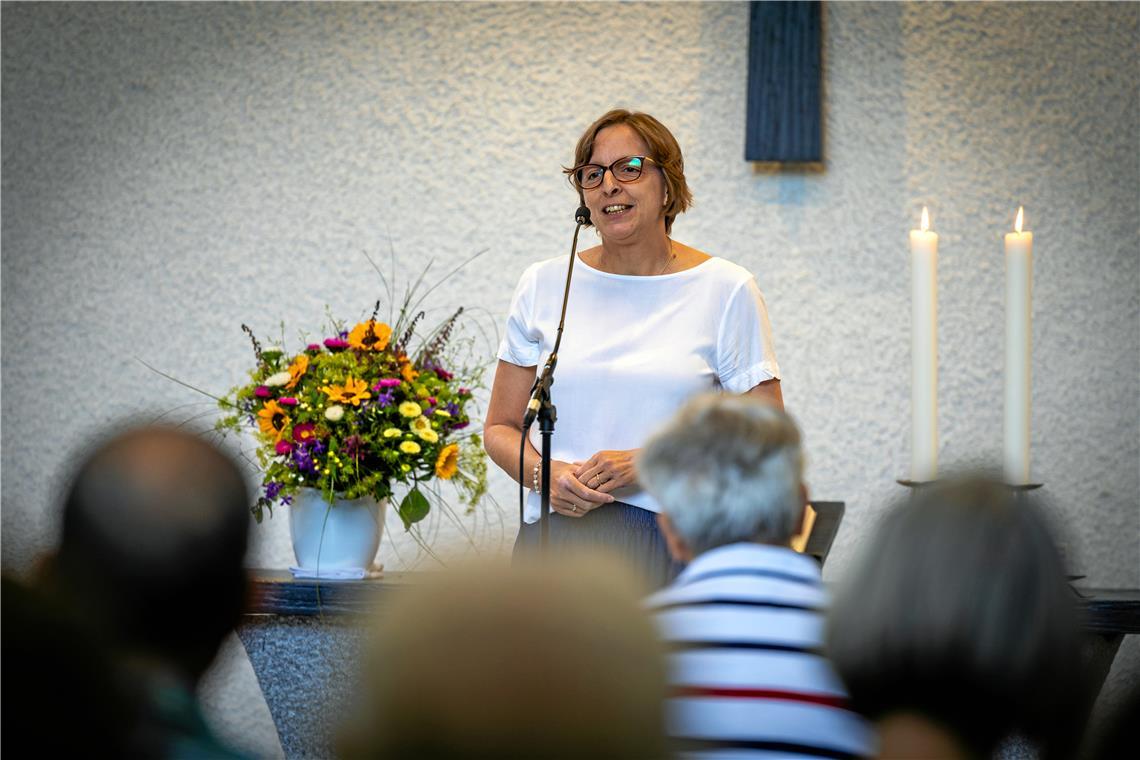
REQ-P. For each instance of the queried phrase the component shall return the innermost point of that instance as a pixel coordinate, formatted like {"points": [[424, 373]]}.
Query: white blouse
{"points": [[634, 349]]}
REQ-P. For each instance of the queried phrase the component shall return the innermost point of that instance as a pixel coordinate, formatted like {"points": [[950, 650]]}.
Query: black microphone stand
{"points": [[540, 405]]}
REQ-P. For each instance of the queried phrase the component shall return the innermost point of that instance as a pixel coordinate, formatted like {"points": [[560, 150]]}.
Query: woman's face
{"points": [[636, 208]]}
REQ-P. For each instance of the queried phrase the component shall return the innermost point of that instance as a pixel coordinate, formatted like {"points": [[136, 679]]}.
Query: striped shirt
{"points": [[744, 626]]}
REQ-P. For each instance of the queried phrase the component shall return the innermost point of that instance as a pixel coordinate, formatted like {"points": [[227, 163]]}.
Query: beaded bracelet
{"points": [[534, 475]]}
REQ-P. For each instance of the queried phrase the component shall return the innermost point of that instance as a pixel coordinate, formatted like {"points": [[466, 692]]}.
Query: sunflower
{"points": [[447, 464], [410, 447], [407, 371], [370, 336], [299, 366], [272, 420], [352, 392]]}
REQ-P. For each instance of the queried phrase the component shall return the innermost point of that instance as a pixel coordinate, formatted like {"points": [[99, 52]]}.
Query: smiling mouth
{"points": [[616, 208]]}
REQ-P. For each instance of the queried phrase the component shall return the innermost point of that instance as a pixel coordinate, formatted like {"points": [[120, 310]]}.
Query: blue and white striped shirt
{"points": [[744, 626]]}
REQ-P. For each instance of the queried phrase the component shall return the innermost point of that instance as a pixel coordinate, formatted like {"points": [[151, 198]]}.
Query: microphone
{"points": [[582, 215]]}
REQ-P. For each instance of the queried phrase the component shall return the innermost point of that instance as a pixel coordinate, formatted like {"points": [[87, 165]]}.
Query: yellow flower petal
{"points": [[447, 464]]}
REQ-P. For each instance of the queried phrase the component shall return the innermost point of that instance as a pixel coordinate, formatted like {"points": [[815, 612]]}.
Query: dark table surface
{"points": [[276, 592]]}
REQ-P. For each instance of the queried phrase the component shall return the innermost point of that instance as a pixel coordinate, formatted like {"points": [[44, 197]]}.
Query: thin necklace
{"points": [[669, 260]]}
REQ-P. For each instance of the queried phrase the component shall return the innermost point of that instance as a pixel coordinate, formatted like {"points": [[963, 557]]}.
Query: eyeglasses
{"points": [[628, 169]]}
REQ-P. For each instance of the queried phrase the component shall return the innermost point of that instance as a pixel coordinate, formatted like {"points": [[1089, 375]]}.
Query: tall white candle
{"points": [[924, 352], [1018, 342]]}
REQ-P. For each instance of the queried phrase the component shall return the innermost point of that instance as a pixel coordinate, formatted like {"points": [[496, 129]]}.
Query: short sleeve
{"points": [[745, 356], [521, 345]]}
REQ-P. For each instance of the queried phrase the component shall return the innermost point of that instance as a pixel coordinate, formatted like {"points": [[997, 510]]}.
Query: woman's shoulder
{"points": [[712, 267]]}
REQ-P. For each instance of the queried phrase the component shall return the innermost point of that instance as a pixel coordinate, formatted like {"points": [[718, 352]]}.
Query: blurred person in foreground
{"points": [[745, 618], [957, 631], [155, 526], [545, 660], [62, 697]]}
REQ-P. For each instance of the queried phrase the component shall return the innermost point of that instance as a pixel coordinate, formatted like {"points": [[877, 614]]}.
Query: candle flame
{"points": [[925, 219], [1020, 218]]}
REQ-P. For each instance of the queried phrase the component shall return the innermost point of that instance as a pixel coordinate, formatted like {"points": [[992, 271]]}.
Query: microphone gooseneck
{"points": [[540, 406], [540, 392]]}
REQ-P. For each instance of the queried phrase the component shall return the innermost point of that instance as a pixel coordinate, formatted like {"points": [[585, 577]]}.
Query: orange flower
{"points": [[407, 371], [447, 463], [352, 392], [299, 366], [272, 420], [370, 336]]}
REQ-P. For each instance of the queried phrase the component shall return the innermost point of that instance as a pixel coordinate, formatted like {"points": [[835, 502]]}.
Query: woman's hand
{"points": [[608, 471], [568, 495]]}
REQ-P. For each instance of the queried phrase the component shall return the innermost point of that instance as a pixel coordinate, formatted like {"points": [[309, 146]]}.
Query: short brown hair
{"points": [[663, 149]]}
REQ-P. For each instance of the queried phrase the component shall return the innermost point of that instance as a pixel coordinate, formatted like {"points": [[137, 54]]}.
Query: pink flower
{"points": [[431, 400], [335, 344], [284, 447], [314, 347], [287, 401], [389, 382], [443, 374], [464, 391], [262, 391], [304, 432]]}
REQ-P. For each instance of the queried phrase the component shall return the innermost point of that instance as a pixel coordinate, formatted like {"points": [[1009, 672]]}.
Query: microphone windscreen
{"points": [[582, 215]]}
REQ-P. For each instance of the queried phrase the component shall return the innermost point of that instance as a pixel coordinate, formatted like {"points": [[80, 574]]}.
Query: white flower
{"points": [[274, 381], [334, 413]]}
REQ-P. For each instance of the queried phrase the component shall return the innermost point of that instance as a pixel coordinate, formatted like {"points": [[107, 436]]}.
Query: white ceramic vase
{"points": [[338, 536]]}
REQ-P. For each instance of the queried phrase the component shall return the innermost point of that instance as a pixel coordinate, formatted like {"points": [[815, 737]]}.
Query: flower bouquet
{"points": [[360, 413]]}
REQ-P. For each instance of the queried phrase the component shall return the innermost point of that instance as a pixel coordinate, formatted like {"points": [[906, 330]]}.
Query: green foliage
{"points": [[413, 508]]}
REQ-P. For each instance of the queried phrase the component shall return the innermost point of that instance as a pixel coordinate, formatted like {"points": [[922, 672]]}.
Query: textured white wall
{"points": [[171, 171]]}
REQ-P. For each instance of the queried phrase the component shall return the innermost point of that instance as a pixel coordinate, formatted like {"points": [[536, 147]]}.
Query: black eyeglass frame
{"points": [[602, 177]]}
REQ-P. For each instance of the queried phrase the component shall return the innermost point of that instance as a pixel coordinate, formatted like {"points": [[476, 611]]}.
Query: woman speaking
{"points": [[649, 323]]}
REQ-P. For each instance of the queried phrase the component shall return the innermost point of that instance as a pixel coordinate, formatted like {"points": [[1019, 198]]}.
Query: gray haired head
{"points": [[727, 468]]}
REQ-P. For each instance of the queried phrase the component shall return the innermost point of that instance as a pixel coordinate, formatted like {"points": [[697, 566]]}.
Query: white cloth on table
{"points": [[634, 350]]}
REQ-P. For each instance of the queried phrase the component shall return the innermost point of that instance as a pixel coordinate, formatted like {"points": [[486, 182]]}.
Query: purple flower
{"points": [[262, 391], [460, 425], [304, 461], [272, 489], [287, 401], [386, 398], [442, 374], [452, 408], [387, 382], [286, 499], [353, 447], [318, 447], [344, 333], [336, 344]]}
